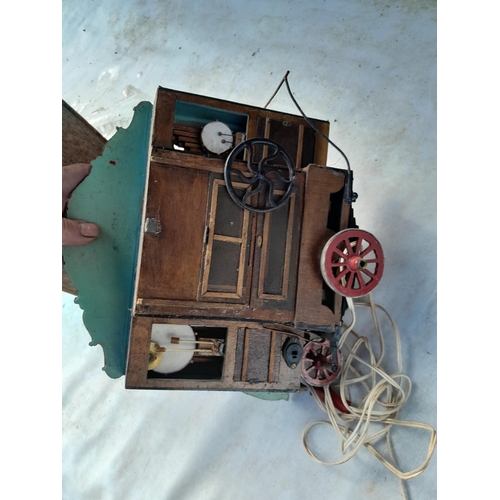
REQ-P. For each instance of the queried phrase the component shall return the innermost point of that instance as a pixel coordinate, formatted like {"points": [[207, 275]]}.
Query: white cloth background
{"points": [[369, 67]]}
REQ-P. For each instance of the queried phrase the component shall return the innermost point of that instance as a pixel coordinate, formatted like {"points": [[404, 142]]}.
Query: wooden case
{"points": [[231, 274]]}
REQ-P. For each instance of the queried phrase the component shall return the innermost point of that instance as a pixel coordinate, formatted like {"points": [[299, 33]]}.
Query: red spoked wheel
{"points": [[352, 263], [317, 364]]}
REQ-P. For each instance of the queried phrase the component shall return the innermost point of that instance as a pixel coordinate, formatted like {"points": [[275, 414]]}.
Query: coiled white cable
{"points": [[373, 407]]}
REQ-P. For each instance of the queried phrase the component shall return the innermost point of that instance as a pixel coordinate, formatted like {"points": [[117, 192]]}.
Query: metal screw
{"points": [[294, 365]]}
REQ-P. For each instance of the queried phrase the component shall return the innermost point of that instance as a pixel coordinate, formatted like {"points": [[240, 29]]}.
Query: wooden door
{"points": [[250, 258], [171, 260], [228, 238]]}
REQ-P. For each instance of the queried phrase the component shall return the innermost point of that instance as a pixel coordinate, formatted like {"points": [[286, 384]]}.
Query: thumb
{"points": [[78, 232]]}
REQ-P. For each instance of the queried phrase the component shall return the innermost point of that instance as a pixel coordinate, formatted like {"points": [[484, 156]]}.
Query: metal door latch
{"points": [[152, 226]]}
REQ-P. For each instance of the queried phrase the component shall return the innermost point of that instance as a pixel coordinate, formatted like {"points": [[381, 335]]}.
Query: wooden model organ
{"points": [[233, 278]]}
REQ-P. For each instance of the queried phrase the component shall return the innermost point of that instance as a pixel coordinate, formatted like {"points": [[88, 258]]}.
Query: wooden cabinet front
{"points": [[171, 260], [227, 273], [212, 253]]}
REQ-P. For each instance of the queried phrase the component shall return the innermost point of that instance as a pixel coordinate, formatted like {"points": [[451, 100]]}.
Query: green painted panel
{"points": [[198, 114], [104, 271], [269, 395]]}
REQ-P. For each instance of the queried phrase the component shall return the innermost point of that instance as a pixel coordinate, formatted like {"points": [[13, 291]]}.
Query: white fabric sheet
{"points": [[368, 67]]}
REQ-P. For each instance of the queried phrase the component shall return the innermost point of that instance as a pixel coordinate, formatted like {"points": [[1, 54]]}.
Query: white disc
{"points": [[217, 137], [177, 356]]}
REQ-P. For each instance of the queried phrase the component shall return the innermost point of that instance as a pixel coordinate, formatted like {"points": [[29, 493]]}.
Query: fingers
{"points": [[72, 175], [78, 232]]}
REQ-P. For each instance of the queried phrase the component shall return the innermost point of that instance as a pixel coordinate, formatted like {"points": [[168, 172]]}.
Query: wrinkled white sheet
{"points": [[368, 68]]}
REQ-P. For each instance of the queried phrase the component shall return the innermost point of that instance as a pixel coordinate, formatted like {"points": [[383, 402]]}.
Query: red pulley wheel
{"points": [[352, 263], [318, 368]]}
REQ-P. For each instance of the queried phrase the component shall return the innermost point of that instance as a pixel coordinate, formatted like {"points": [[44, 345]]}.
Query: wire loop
{"points": [[385, 396]]}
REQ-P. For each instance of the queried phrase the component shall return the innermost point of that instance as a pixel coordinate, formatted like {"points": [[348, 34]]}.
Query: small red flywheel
{"points": [[352, 263], [319, 368]]}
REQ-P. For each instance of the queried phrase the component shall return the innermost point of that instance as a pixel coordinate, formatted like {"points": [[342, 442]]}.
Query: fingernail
{"points": [[88, 230]]}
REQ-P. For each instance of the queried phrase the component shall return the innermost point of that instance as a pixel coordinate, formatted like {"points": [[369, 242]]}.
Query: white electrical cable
{"points": [[373, 408]]}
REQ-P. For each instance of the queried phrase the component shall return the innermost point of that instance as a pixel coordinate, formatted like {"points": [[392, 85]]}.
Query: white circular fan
{"points": [[177, 356], [217, 137]]}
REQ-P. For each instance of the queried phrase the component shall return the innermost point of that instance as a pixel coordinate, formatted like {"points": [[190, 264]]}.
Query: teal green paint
{"points": [[103, 271], [197, 114], [270, 395]]}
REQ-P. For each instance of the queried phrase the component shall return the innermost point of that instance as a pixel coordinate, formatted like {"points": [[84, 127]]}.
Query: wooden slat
{"points": [[163, 120], [228, 373], [191, 145], [220, 309], [228, 239], [210, 242], [288, 250], [298, 161], [178, 139], [321, 151], [243, 251], [238, 357], [187, 130], [252, 124], [320, 183], [222, 288], [187, 135], [272, 362], [138, 352], [180, 159], [246, 344]]}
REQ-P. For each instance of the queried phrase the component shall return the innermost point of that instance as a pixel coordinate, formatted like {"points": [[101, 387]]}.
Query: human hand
{"points": [[75, 232]]}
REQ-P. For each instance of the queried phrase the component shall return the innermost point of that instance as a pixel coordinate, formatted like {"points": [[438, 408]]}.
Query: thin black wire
{"points": [[277, 89], [312, 126]]}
